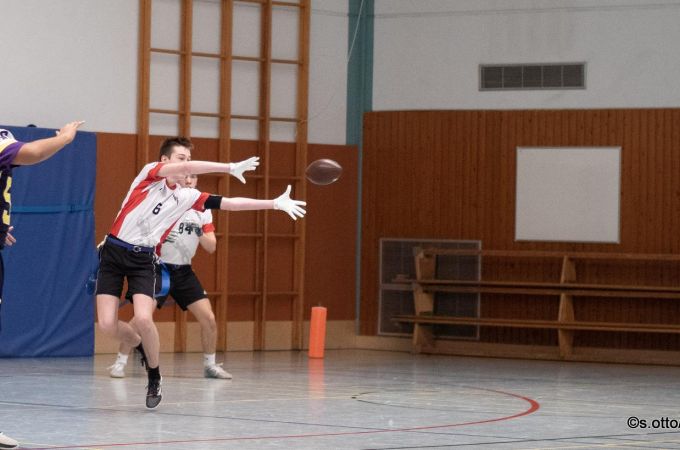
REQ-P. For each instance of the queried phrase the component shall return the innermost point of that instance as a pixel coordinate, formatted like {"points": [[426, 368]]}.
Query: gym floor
{"points": [[351, 399]]}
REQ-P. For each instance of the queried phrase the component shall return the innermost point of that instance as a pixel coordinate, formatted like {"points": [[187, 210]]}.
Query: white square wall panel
{"points": [[569, 194]]}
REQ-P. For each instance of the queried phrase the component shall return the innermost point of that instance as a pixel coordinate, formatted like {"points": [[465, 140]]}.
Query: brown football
{"points": [[323, 171]]}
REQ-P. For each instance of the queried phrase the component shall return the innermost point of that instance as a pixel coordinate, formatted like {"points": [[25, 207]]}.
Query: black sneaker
{"points": [[153, 393], [142, 354]]}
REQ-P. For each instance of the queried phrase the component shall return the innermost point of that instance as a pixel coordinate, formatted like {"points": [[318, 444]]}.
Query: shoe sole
{"points": [[153, 404]]}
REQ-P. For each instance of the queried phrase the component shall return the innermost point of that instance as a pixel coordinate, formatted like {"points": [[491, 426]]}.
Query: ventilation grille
{"points": [[532, 76]]}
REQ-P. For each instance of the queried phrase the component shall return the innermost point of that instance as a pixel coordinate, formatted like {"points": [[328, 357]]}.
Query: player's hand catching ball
{"points": [[292, 207]]}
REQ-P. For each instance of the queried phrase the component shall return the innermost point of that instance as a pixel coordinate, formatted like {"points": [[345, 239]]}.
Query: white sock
{"points": [[122, 358], [208, 359]]}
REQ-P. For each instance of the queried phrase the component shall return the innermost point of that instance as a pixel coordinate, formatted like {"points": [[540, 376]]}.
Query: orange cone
{"points": [[317, 332]]}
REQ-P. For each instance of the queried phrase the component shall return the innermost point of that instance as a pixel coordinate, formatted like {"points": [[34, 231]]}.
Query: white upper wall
{"points": [[427, 52], [328, 72], [73, 59], [67, 60]]}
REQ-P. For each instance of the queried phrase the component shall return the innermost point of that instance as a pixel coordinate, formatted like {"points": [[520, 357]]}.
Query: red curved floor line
{"points": [[533, 407]]}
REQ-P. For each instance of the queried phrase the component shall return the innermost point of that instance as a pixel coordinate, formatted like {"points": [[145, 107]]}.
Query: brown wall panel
{"points": [[451, 175], [330, 225], [330, 259]]}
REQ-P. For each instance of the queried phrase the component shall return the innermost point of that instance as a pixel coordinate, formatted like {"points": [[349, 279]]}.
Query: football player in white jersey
{"points": [[153, 204], [185, 288]]}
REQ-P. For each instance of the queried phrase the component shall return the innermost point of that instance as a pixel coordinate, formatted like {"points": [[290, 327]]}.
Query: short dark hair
{"points": [[168, 145]]}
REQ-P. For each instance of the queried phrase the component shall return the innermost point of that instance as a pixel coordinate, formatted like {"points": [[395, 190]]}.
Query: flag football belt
{"points": [[129, 247], [165, 281]]}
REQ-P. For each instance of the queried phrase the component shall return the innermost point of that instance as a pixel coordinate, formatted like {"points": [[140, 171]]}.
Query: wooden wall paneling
{"points": [[454, 203], [433, 178], [366, 308], [469, 163], [666, 185], [479, 148], [499, 221], [674, 206], [662, 191], [420, 162], [488, 177], [439, 177], [656, 185], [629, 171], [445, 175], [643, 151]]}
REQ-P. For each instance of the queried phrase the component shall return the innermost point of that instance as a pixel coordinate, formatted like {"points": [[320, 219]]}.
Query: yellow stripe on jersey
{"points": [[5, 194]]}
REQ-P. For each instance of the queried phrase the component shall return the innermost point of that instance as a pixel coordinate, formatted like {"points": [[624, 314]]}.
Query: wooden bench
{"points": [[426, 285]]}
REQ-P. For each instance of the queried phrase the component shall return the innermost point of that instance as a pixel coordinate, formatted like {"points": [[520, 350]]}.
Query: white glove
{"points": [[292, 207], [237, 169]]}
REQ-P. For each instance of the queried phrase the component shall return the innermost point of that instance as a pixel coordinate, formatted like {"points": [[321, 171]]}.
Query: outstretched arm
{"points": [[186, 168], [42, 149], [294, 208]]}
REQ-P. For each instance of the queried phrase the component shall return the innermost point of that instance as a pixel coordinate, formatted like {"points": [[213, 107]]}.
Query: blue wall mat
{"points": [[46, 310]]}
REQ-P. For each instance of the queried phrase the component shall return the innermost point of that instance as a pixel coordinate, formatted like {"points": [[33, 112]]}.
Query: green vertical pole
{"points": [[359, 101], [359, 67]]}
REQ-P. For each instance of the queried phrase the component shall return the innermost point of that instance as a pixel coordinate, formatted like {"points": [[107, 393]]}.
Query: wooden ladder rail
{"points": [[224, 116]]}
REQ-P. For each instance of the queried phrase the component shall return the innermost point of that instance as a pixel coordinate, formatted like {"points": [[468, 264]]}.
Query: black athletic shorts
{"points": [[117, 263], [185, 288]]}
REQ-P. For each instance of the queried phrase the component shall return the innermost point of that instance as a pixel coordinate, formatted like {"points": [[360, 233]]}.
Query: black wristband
{"points": [[213, 202]]}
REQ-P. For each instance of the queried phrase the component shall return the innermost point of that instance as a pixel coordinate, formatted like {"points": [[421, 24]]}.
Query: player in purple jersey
{"points": [[14, 153]]}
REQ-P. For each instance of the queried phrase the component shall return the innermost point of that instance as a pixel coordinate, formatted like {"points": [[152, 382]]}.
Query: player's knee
{"points": [[144, 324], [108, 327], [210, 322]]}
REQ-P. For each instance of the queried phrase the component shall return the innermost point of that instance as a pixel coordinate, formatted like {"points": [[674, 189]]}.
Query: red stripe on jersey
{"points": [[165, 235], [153, 173], [200, 203], [136, 197], [208, 227]]}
